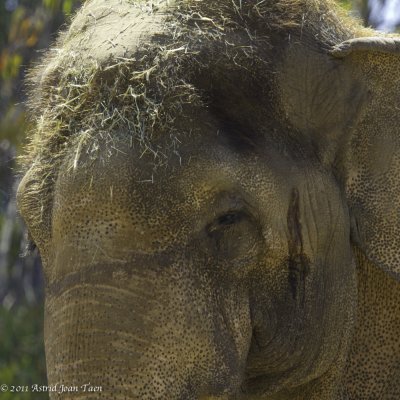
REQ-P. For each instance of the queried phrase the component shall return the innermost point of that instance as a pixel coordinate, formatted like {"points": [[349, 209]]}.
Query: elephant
{"points": [[214, 190]]}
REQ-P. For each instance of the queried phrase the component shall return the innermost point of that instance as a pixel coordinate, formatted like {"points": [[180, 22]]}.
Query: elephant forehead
{"points": [[126, 189], [122, 204]]}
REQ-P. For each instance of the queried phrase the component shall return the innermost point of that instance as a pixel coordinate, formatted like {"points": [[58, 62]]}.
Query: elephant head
{"points": [[214, 192]]}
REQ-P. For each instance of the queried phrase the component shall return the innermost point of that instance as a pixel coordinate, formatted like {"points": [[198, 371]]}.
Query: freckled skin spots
{"points": [[215, 201], [198, 292]]}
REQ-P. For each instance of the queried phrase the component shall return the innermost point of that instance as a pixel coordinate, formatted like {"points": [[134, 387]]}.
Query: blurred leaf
{"points": [[54, 5], [67, 7], [10, 64], [32, 40], [17, 16], [15, 63], [49, 3], [3, 60]]}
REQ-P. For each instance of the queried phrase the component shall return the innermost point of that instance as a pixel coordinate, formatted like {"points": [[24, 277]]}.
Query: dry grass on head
{"points": [[78, 102], [141, 93]]}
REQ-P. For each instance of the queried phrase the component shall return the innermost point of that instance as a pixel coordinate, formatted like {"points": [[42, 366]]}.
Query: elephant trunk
{"points": [[131, 336]]}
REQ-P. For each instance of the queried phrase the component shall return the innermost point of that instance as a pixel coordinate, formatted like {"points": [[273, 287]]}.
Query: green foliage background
{"points": [[26, 26]]}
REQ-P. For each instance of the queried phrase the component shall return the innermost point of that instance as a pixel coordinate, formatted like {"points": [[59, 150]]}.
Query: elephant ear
{"points": [[371, 162]]}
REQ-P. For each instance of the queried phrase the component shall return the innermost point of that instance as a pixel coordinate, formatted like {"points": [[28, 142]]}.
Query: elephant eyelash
{"points": [[230, 218], [225, 220]]}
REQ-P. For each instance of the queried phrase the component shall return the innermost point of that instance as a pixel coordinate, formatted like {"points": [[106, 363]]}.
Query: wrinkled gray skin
{"points": [[263, 262]]}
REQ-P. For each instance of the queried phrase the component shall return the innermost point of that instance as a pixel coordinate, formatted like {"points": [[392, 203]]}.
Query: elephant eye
{"points": [[232, 236], [224, 221], [229, 218]]}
